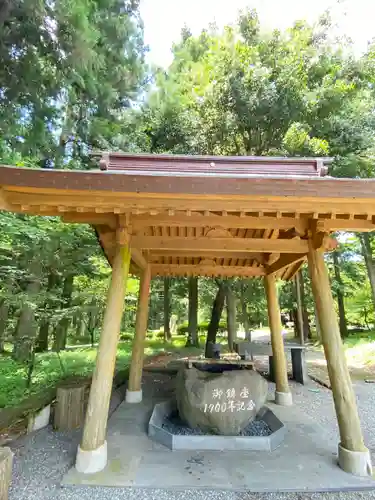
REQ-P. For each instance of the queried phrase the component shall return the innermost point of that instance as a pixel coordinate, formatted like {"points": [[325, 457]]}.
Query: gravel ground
{"points": [[174, 425], [42, 458]]}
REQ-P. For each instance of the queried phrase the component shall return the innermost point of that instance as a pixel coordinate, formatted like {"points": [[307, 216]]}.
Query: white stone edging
{"points": [[39, 420]]}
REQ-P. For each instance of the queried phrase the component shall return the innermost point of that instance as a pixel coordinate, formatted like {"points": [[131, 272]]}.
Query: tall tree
{"points": [[365, 240], [340, 295], [167, 310], [84, 63], [217, 310], [27, 325], [231, 316], [299, 315], [193, 339]]}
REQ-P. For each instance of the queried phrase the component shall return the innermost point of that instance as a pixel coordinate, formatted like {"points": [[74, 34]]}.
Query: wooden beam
{"points": [[285, 261], [138, 258], [91, 218], [226, 245], [203, 270], [331, 225], [140, 222], [321, 239], [289, 272]]}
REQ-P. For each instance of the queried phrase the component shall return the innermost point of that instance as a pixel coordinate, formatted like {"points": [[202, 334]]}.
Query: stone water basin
{"points": [[263, 434]]}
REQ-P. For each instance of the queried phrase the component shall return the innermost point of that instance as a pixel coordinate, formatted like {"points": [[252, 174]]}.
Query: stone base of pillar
{"points": [[133, 396], [283, 398], [89, 462], [357, 463]]}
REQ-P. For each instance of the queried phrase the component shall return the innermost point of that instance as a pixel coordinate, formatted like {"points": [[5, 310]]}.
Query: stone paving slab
{"points": [[305, 461]]}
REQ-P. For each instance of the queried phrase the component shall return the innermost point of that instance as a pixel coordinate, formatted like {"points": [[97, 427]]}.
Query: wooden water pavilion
{"points": [[161, 215]]}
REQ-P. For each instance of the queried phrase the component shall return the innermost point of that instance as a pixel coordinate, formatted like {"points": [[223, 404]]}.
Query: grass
{"points": [[78, 363], [359, 350]]}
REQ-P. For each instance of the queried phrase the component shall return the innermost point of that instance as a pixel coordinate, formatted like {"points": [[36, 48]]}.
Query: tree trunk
{"points": [[61, 330], [299, 315], [78, 325], [244, 316], [297, 332], [365, 240], [231, 317], [91, 325], [4, 310], [42, 339], [305, 316], [217, 310], [193, 339], [26, 325], [167, 311], [340, 296]]}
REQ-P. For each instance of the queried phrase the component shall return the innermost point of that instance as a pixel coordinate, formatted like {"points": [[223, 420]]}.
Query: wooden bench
{"points": [[246, 349]]}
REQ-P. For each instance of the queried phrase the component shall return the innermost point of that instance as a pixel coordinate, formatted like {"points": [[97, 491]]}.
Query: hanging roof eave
{"points": [[188, 223]]}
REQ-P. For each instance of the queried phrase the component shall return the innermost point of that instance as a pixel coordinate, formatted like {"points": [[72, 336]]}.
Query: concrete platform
{"points": [[305, 461]]}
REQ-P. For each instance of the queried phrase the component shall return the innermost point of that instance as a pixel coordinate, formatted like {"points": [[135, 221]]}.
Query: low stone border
{"points": [[39, 419], [214, 442]]}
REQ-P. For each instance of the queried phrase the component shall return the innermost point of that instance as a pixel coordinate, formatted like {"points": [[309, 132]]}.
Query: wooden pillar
{"points": [[92, 454], [283, 395], [134, 392], [353, 455]]}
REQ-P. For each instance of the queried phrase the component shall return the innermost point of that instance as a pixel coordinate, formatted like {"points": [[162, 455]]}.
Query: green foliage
{"points": [[47, 372], [68, 72], [182, 329], [126, 337]]}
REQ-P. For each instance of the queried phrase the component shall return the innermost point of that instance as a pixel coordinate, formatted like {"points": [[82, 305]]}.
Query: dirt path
{"points": [[317, 366]]}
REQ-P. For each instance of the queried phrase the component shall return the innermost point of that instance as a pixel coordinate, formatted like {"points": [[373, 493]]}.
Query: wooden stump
{"points": [[6, 459], [70, 407]]}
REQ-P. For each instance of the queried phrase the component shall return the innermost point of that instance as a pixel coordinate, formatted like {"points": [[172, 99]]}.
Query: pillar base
{"points": [[133, 396], [357, 463], [283, 398], [91, 461]]}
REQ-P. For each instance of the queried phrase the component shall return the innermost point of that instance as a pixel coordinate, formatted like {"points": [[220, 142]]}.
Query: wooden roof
{"points": [[207, 216]]}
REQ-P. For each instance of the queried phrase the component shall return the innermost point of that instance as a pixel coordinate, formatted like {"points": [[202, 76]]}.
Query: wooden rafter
{"points": [[205, 270], [155, 255], [139, 222], [113, 202]]}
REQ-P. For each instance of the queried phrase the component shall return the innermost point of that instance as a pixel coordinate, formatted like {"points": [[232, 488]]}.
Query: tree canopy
{"points": [[73, 79]]}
